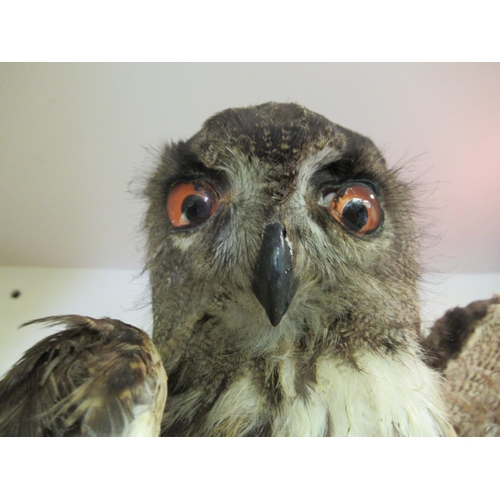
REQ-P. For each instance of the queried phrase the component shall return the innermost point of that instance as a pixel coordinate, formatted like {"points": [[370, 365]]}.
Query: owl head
{"points": [[273, 221]]}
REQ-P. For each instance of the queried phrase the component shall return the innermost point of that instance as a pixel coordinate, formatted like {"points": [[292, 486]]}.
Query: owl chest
{"points": [[383, 399]]}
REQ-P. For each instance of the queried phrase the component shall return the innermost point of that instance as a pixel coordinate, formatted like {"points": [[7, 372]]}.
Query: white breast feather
{"points": [[237, 411], [385, 398]]}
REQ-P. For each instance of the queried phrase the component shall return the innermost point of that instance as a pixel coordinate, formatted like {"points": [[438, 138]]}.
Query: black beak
{"points": [[274, 284]]}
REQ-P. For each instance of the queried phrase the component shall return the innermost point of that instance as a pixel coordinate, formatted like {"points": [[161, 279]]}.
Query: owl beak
{"points": [[274, 284]]}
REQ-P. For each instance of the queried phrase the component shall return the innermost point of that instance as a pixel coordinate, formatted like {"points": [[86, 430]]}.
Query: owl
{"points": [[283, 262]]}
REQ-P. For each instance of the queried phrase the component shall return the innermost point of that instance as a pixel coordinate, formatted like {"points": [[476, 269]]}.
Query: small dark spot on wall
{"points": [[15, 294]]}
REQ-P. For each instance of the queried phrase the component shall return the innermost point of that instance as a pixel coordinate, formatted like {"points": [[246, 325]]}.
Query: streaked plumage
{"points": [[344, 359], [95, 378], [465, 346]]}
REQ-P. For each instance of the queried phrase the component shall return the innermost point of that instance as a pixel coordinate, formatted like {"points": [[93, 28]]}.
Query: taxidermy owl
{"points": [[283, 262], [465, 346]]}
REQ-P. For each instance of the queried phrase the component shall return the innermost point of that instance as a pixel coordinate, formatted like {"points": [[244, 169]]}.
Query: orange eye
{"points": [[356, 208], [191, 203]]}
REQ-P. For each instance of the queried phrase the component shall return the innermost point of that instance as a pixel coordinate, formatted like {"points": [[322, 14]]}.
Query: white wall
{"points": [[124, 294], [121, 294]]}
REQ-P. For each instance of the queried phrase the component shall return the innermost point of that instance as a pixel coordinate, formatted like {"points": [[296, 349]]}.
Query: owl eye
{"points": [[191, 203], [356, 208]]}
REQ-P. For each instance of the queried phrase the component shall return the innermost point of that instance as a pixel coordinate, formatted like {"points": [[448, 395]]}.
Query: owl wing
{"points": [[98, 377], [465, 346]]}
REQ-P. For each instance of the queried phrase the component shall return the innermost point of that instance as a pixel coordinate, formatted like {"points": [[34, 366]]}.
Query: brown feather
{"points": [[95, 378], [465, 346]]}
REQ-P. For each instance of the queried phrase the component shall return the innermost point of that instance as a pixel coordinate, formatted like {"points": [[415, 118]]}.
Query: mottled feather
{"points": [[345, 358], [465, 346], [97, 377]]}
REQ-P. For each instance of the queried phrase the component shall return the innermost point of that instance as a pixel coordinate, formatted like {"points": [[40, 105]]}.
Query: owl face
{"points": [[275, 221]]}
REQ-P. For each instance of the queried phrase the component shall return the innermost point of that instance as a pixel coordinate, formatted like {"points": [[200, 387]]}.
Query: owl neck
{"points": [[318, 384]]}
